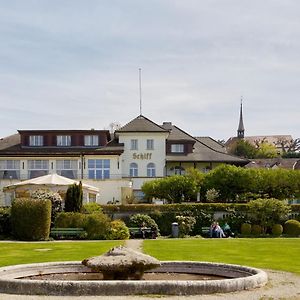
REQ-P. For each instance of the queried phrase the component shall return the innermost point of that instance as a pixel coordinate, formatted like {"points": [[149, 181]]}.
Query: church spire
{"points": [[241, 129]]}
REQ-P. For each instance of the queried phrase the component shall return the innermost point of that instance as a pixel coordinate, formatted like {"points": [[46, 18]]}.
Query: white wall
{"points": [[158, 154]]}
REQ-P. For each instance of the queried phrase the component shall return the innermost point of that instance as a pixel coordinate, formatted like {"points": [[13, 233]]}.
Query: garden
{"points": [[252, 203]]}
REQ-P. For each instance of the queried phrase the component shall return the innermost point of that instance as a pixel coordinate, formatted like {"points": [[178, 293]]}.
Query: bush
{"points": [[97, 226], [118, 231], [212, 195], [267, 212], [31, 219], [185, 224], [292, 227], [140, 220], [91, 207], [5, 224], [246, 229], [55, 198], [164, 221], [277, 229], [256, 229], [70, 220]]}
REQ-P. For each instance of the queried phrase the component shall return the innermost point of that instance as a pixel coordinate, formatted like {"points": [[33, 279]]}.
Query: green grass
{"points": [[276, 253], [24, 253]]}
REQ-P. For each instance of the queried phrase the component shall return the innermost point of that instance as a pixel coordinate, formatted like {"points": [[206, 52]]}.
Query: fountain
{"points": [[122, 271]]}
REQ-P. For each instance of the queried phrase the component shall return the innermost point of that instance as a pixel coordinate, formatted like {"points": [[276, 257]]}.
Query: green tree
{"points": [[174, 189], [244, 149], [73, 198], [266, 150]]}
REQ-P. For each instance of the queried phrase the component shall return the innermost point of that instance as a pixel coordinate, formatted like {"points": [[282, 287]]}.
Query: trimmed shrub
{"points": [[118, 231], [292, 227], [73, 198], [69, 220], [256, 229], [246, 229], [5, 224], [91, 207], [97, 226], [31, 219], [140, 220], [277, 229]]}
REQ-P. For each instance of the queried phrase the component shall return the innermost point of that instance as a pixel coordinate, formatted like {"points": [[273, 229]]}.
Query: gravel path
{"points": [[281, 285]]}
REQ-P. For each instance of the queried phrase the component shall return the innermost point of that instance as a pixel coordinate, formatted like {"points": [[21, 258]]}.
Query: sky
{"points": [[74, 64]]}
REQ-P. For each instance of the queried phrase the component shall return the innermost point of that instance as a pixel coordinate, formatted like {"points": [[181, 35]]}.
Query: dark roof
{"points": [[10, 141], [141, 124], [176, 134], [11, 146], [210, 142], [202, 152]]}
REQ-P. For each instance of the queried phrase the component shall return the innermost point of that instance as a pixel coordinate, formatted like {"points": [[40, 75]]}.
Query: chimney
{"points": [[167, 125]]}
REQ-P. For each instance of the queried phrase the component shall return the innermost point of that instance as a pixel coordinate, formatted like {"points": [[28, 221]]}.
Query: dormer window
{"points": [[177, 148], [36, 140], [63, 140], [91, 140]]}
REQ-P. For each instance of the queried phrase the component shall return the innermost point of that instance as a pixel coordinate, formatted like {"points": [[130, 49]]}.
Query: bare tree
{"points": [[288, 145]]}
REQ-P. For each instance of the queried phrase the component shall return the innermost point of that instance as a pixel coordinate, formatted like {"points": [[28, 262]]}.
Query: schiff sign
{"points": [[141, 155]]}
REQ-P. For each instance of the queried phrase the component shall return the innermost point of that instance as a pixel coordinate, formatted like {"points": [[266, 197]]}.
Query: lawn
{"points": [[32, 252], [276, 253]]}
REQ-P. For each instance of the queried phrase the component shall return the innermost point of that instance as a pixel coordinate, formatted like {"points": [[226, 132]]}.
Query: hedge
{"points": [[31, 219], [164, 215]]}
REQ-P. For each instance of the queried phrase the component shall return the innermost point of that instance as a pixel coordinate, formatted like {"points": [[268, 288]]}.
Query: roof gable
{"points": [[141, 124]]}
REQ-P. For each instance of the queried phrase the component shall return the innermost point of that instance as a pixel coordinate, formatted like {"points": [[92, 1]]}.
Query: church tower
{"points": [[241, 129]]}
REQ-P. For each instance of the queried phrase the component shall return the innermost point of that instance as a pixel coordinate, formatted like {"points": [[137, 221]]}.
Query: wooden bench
{"points": [[205, 231], [137, 232], [62, 233]]}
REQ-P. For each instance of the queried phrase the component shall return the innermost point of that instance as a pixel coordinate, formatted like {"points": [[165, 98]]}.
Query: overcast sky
{"points": [[71, 64]]}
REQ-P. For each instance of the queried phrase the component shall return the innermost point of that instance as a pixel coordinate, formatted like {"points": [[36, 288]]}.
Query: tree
{"points": [[174, 189], [288, 146], [73, 198], [266, 150], [244, 149]]}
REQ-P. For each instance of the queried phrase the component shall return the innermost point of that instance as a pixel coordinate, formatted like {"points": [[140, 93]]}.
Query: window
{"points": [[99, 168], [63, 140], [179, 170], [134, 145], [91, 140], [37, 168], [151, 170], [150, 144], [36, 140], [67, 168], [133, 170], [10, 169], [177, 148]]}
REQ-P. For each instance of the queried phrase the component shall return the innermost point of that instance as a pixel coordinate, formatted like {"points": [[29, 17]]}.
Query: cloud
{"points": [[74, 64]]}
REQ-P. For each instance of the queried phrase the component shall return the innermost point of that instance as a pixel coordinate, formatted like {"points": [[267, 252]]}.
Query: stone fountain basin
{"points": [[237, 278]]}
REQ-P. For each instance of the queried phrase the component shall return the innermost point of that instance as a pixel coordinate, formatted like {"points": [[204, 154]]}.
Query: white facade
{"points": [[143, 149], [110, 188]]}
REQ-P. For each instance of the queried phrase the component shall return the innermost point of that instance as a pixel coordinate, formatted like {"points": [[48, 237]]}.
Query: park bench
{"points": [[205, 231], [62, 233], [137, 232]]}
